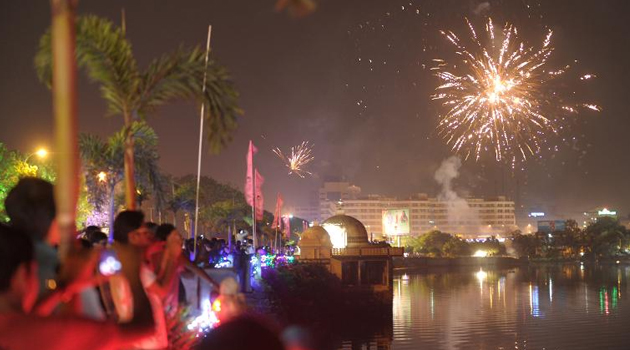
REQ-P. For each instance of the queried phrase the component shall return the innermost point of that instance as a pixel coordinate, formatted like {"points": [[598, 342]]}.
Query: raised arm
{"points": [[142, 323], [167, 273], [199, 272]]}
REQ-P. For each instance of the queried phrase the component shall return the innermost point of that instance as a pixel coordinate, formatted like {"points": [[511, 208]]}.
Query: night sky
{"points": [[371, 122]]}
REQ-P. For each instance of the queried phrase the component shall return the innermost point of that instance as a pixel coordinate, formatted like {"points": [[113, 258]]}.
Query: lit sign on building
{"points": [[396, 222], [551, 226], [536, 214], [606, 212]]}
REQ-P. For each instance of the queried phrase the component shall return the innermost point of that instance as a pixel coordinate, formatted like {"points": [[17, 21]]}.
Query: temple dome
{"points": [[315, 236], [346, 231]]}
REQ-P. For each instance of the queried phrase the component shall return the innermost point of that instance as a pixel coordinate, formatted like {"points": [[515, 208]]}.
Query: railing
{"points": [[368, 251]]}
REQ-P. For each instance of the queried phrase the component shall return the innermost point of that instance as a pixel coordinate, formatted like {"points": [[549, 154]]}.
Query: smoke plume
{"points": [[458, 211]]}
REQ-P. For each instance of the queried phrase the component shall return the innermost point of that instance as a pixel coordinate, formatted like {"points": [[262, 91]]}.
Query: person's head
{"points": [[18, 269], [30, 206], [242, 333], [152, 226], [89, 230], [98, 238], [163, 231], [129, 229], [85, 243]]}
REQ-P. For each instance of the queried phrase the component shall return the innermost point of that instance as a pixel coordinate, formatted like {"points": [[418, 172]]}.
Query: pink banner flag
{"points": [[286, 221], [260, 201], [278, 212], [249, 186]]}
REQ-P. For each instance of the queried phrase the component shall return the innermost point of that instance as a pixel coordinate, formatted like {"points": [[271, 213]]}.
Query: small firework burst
{"points": [[297, 160]]}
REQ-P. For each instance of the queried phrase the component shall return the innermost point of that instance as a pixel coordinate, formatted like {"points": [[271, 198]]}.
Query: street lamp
{"points": [[40, 153]]}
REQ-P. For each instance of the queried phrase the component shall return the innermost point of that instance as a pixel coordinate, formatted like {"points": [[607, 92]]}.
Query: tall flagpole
{"points": [[255, 241], [203, 108]]}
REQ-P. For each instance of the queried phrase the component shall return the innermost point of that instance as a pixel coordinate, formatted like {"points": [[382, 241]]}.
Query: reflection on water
{"points": [[552, 307]]}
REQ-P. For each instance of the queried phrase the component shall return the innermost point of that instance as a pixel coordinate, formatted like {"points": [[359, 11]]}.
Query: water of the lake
{"points": [[551, 307]]}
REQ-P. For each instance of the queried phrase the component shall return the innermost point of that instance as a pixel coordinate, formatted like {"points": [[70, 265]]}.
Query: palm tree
{"points": [[104, 52], [182, 199], [103, 164]]}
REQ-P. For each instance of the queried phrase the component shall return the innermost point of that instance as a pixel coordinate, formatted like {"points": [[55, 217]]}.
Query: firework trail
{"points": [[300, 156], [501, 96]]}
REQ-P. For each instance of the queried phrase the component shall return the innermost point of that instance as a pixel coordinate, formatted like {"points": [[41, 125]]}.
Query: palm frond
{"points": [[103, 50], [180, 76]]}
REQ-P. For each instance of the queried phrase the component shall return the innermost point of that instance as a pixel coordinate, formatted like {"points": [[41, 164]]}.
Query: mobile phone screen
{"points": [[109, 263]]}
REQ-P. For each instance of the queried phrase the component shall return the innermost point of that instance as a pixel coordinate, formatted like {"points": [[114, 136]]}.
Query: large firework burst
{"points": [[501, 96], [300, 156]]}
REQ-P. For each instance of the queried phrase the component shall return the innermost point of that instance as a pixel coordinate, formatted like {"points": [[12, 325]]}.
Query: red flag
{"points": [[249, 194], [287, 226], [276, 215], [259, 196]]}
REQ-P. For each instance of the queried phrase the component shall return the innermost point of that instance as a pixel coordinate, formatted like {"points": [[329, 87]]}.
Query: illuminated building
{"points": [[341, 244], [471, 217], [315, 244], [593, 215]]}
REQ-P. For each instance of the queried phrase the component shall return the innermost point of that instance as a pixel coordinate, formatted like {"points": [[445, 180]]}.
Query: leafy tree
{"points": [[104, 52], [107, 157], [524, 245], [456, 247], [491, 245], [13, 166], [606, 237], [211, 192], [431, 243], [221, 215], [182, 199]]}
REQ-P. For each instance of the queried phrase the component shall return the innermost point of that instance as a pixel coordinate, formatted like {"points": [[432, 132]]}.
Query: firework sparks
{"points": [[500, 95], [300, 156]]}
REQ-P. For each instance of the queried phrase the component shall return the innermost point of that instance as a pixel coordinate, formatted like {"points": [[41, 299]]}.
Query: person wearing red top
{"points": [[19, 286], [160, 261]]}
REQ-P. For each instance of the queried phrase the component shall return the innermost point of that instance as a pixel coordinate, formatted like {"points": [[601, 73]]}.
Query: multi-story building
{"points": [[469, 217], [593, 215]]}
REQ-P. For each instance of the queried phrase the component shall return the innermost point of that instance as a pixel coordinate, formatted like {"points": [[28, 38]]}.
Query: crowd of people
{"points": [[102, 294]]}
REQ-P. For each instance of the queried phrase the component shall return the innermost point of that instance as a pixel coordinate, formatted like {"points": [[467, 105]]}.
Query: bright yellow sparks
{"points": [[300, 156], [499, 96], [102, 176]]}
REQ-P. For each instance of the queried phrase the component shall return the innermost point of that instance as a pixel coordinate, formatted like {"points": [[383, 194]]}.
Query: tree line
{"points": [[604, 238]]}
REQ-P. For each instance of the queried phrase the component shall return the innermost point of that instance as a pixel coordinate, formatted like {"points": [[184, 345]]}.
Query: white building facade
{"points": [[469, 217]]}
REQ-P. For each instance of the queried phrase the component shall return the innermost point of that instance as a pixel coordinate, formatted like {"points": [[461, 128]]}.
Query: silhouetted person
{"points": [[30, 206], [20, 330], [242, 333], [130, 230]]}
